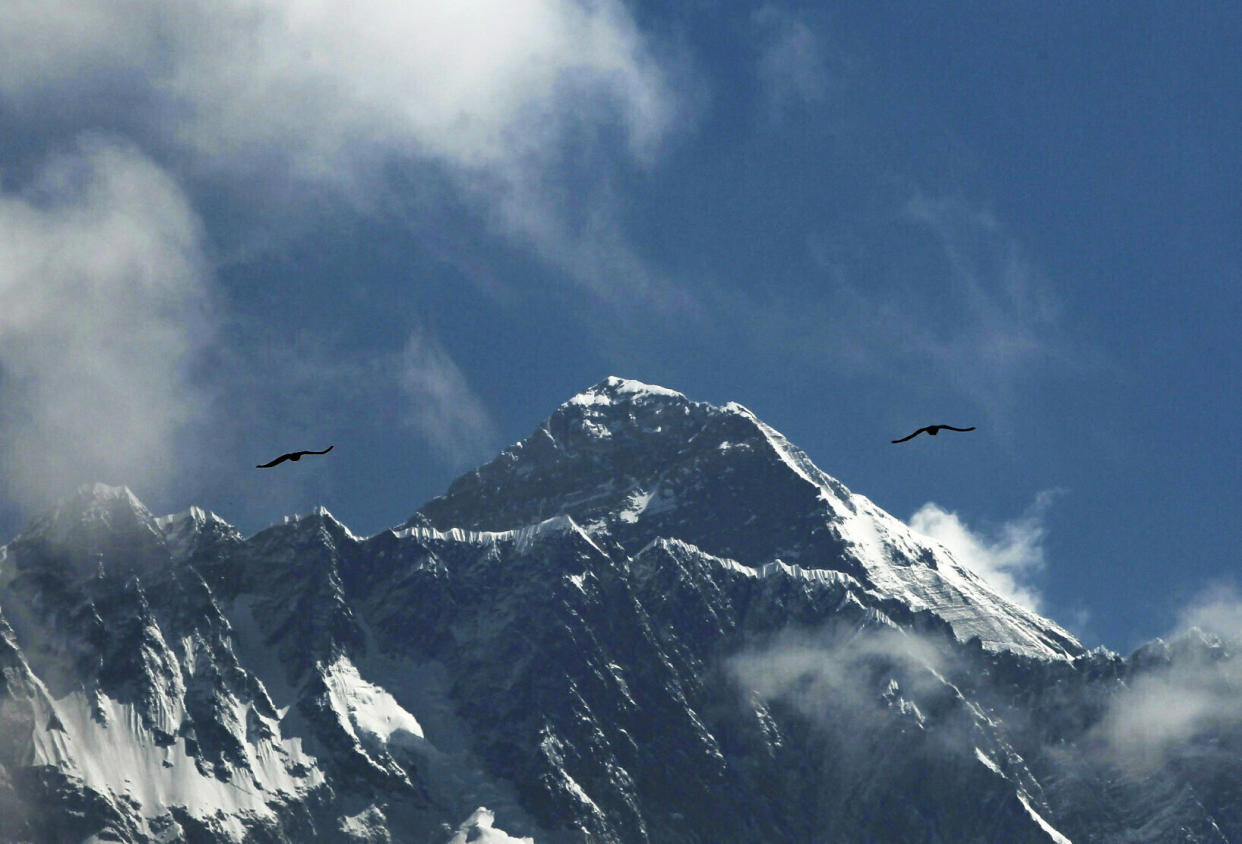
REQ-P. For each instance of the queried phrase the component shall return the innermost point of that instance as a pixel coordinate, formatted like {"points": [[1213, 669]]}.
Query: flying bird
{"points": [[293, 455], [933, 430]]}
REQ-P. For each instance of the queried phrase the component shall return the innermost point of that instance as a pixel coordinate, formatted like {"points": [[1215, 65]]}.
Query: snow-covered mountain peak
{"points": [[102, 502], [103, 492], [615, 390], [321, 515], [1193, 645], [195, 529], [318, 517], [92, 514], [632, 463], [607, 446], [616, 412], [646, 461]]}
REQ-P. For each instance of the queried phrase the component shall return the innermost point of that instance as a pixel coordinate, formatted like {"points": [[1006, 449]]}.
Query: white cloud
{"points": [[1187, 687], [1156, 715], [477, 83], [1216, 610], [104, 301], [1008, 558], [315, 388], [850, 684], [503, 95], [488, 87], [818, 671], [440, 402]]}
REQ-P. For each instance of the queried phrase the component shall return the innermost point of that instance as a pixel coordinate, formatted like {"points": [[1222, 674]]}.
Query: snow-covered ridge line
{"points": [[830, 488], [194, 513], [776, 568], [1054, 834], [779, 567], [321, 512], [521, 537]]}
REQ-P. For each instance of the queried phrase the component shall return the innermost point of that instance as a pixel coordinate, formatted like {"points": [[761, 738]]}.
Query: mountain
{"points": [[636, 463], [652, 620]]}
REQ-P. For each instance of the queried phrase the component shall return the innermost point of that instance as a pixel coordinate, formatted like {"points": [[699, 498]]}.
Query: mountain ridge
{"points": [[566, 664], [602, 434]]}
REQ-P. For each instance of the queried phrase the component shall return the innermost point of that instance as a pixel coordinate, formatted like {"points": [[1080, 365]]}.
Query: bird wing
{"points": [[280, 459], [951, 428], [912, 436], [325, 451]]}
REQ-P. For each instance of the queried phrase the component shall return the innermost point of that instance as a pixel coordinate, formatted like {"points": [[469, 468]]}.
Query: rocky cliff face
{"points": [[652, 620]]}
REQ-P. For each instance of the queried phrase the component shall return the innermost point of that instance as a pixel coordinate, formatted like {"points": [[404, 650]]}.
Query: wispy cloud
{"points": [[104, 302], [315, 388], [1004, 319], [855, 685], [1006, 313], [793, 67], [818, 672], [441, 404], [937, 293], [1009, 557]]}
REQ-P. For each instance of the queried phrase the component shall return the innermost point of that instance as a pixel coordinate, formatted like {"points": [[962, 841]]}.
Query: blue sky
{"points": [[412, 229]]}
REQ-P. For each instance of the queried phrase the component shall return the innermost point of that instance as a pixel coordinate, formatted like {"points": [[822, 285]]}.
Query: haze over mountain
{"points": [[653, 619]]}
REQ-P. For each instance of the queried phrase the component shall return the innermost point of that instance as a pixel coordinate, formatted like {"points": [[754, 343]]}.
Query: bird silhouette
{"points": [[933, 430], [293, 455]]}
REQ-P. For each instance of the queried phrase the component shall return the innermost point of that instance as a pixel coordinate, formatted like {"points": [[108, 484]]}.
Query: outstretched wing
{"points": [[293, 455], [951, 428], [280, 459], [912, 436]]}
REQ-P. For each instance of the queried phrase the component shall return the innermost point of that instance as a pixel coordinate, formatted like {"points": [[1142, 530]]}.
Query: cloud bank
{"points": [[505, 98], [480, 84], [104, 302]]}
